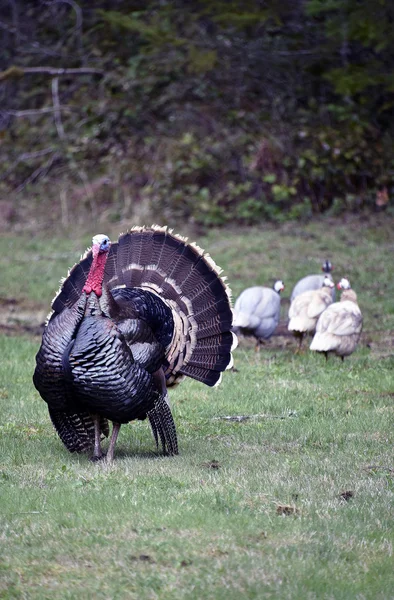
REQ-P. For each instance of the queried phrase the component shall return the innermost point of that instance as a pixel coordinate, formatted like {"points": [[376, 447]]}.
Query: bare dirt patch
{"points": [[21, 318]]}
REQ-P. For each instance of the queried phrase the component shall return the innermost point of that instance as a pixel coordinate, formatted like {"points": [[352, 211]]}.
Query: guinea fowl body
{"points": [[338, 330], [313, 282], [306, 308], [257, 311], [131, 319]]}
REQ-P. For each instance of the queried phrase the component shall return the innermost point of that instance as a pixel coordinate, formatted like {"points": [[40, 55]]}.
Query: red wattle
{"points": [[94, 281]]}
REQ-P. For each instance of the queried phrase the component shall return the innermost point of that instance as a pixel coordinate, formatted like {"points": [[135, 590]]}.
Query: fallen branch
{"points": [[56, 107], [42, 170], [78, 14], [379, 468], [240, 418], [15, 72], [25, 157], [35, 111]]}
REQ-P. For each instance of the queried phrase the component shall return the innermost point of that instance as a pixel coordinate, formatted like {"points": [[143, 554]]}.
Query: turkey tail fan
{"points": [[71, 287], [163, 426], [188, 281], [77, 430]]}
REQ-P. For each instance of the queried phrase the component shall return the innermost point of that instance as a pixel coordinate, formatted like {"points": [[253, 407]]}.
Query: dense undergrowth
{"points": [[216, 112]]}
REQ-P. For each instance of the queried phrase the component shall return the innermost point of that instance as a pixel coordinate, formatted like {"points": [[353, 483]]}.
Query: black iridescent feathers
{"points": [[165, 308]]}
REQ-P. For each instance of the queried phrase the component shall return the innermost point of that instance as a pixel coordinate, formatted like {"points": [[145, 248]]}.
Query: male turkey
{"points": [[306, 308], [257, 311], [338, 329], [131, 319], [313, 282]]}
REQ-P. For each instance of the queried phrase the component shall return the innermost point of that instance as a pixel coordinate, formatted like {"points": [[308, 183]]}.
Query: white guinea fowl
{"points": [[338, 330], [257, 311], [313, 282], [306, 308]]}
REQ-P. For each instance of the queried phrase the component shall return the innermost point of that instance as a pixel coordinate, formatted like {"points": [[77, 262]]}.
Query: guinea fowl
{"points": [[338, 330], [306, 308], [257, 311], [131, 319], [313, 282]]}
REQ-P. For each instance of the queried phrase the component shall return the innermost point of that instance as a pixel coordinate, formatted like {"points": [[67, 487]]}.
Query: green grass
{"points": [[268, 519]]}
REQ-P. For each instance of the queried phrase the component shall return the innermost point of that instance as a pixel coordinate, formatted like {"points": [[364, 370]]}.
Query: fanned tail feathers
{"points": [[187, 280], [71, 287]]}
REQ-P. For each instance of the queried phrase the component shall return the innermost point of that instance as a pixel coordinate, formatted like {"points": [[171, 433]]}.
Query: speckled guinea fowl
{"points": [[313, 282], [131, 319], [306, 308], [338, 329], [257, 311]]}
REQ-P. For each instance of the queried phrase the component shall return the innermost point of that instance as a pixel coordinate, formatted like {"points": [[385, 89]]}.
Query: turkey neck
{"points": [[108, 303], [99, 296], [94, 281]]}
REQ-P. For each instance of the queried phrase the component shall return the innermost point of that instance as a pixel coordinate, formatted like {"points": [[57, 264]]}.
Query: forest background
{"points": [[210, 111]]}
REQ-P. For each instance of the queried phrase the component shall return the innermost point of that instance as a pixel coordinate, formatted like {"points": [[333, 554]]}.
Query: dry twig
{"points": [[41, 171], [15, 71]]}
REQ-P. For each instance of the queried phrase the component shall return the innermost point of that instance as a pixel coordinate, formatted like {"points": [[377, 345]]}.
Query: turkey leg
{"points": [[160, 382], [97, 453], [112, 443]]}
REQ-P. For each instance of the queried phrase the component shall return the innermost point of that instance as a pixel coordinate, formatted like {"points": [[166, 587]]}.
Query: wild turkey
{"points": [[313, 282], [257, 311], [131, 319], [306, 308], [338, 329]]}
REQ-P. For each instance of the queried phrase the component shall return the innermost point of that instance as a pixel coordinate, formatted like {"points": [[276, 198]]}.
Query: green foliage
{"points": [[360, 37], [309, 82]]}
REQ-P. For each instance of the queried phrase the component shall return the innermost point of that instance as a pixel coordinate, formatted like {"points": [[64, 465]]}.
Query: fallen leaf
{"points": [[212, 464], [286, 509], [346, 495]]}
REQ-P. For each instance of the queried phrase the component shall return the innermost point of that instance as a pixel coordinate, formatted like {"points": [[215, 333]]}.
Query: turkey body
{"points": [[257, 311], [313, 282], [306, 308], [118, 337], [338, 330]]}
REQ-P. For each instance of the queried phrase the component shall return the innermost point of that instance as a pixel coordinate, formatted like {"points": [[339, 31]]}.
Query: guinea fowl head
{"points": [[100, 248], [327, 282], [327, 267], [279, 286], [344, 284]]}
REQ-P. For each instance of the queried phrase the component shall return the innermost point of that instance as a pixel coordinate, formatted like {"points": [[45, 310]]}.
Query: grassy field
{"points": [[284, 485]]}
